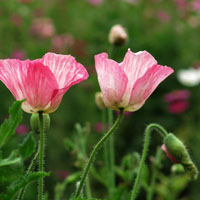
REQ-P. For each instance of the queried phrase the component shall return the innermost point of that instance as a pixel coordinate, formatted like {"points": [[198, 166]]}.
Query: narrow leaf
{"points": [[21, 183], [9, 125], [12, 159]]}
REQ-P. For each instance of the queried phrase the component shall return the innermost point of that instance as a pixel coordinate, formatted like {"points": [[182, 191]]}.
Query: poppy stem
{"points": [[96, 148], [111, 157], [41, 157], [148, 130], [30, 168]]}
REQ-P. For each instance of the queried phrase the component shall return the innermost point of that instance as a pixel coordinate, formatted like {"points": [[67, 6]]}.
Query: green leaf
{"points": [[21, 183], [9, 125], [27, 147], [12, 159]]}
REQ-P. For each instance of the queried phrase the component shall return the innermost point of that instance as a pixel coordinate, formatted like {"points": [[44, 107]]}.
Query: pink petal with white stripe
{"points": [[112, 80], [67, 72], [146, 84], [65, 68], [29, 80]]}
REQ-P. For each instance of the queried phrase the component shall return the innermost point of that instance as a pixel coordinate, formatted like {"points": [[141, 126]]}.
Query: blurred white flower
{"points": [[189, 77]]}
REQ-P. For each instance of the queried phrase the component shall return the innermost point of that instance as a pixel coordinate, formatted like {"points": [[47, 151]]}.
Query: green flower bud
{"points": [[177, 149], [99, 100], [118, 35], [177, 169], [35, 122]]}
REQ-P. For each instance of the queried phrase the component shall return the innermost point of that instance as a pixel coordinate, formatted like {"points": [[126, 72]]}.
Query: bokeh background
{"points": [[169, 30]]}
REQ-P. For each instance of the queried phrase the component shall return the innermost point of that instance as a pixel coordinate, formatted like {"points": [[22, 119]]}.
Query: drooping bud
{"points": [[35, 122], [178, 151], [117, 35], [99, 100]]}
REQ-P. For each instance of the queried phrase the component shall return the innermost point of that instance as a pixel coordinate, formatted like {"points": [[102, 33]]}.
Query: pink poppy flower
{"points": [[42, 82], [128, 84]]}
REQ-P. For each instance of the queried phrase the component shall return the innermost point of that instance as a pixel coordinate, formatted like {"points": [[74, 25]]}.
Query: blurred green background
{"points": [[169, 30]]}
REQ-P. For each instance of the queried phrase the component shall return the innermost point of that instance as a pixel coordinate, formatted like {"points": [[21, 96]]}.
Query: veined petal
{"points": [[67, 72], [145, 85], [11, 74], [31, 80], [65, 68], [135, 65], [112, 80]]}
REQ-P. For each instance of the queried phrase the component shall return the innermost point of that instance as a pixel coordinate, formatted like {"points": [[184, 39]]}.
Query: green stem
{"points": [[96, 148], [154, 173], [41, 157], [30, 168], [87, 188], [111, 158], [106, 153], [148, 130]]}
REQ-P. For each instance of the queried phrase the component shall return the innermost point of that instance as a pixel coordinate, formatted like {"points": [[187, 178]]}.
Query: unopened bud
{"points": [[177, 169], [178, 151], [99, 100], [35, 122], [118, 35]]}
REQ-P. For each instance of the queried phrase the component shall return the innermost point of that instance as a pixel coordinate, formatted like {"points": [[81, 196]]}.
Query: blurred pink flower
{"points": [[163, 16], [98, 127], [18, 54], [128, 84], [61, 43], [196, 5], [178, 107], [178, 101], [22, 129], [42, 82], [131, 1], [163, 147], [16, 19], [95, 2], [181, 4], [62, 174], [177, 95], [39, 12], [42, 28]]}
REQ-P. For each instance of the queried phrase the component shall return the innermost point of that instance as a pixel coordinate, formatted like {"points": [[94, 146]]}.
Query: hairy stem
{"points": [[41, 157], [148, 130], [96, 148]]}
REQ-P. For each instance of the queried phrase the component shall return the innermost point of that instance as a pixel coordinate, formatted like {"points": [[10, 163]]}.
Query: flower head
{"points": [[42, 82], [117, 35], [128, 84], [189, 77]]}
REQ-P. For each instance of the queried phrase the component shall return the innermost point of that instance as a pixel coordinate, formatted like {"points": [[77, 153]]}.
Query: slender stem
{"points": [[148, 130], [111, 156], [154, 173], [87, 188], [106, 153], [96, 148], [30, 168], [41, 157]]}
